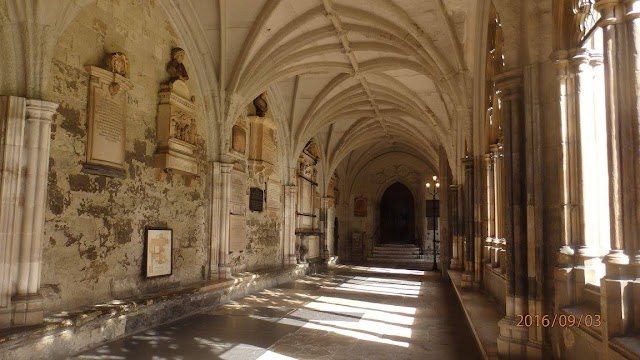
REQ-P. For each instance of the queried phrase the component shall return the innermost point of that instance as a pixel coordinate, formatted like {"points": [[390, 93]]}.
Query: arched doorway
{"points": [[397, 216]]}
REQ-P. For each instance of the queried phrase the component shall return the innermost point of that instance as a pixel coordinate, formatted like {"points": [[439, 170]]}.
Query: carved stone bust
{"points": [[176, 68], [261, 105]]}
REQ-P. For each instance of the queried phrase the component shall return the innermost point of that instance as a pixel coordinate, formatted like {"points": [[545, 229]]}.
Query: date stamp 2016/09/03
{"points": [[561, 320]]}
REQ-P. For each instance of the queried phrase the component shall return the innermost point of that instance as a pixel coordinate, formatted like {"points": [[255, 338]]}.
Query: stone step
{"points": [[395, 256], [396, 245], [386, 251], [374, 260]]}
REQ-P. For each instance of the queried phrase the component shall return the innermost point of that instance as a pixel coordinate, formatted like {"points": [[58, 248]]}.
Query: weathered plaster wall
{"points": [[94, 232]]}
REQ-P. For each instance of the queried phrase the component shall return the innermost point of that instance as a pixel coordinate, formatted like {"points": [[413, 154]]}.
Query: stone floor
{"points": [[350, 312]]}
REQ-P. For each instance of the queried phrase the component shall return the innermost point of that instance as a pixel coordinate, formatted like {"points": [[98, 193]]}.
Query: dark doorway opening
{"points": [[397, 217]]}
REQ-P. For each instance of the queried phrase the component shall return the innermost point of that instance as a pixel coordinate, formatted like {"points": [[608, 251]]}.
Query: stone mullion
{"points": [[632, 23], [621, 35], [468, 220], [613, 36], [490, 196], [490, 227], [582, 125]]}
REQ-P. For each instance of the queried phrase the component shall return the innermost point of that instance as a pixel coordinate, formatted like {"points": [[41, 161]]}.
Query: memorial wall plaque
{"points": [[237, 232], [360, 207], [256, 199], [177, 125], [274, 193], [107, 117]]}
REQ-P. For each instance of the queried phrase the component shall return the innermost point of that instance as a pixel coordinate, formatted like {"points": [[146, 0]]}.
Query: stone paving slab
{"points": [[345, 313]]}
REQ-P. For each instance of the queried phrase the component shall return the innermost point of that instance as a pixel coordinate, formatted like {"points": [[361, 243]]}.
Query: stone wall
{"points": [[94, 232], [263, 235]]}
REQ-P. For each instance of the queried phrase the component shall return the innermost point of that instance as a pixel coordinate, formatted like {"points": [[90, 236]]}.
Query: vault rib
{"points": [[333, 15]]}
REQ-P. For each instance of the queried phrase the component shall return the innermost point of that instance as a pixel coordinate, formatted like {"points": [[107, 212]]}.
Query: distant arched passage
{"points": [[397, 215]]}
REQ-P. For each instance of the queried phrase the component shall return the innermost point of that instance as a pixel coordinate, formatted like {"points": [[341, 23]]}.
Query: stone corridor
{"points": [[348, 312]]}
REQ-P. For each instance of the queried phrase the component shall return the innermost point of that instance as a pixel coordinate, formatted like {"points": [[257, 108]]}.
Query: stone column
{"points": [[564, 275], [513, 341], [621, 32], [290, 207], [224, 267], [456, 256], [215, 204], [488, 158], [468, 278], [326, 204], [12, 115], [632, 24], [27, 302], [620, 126]]}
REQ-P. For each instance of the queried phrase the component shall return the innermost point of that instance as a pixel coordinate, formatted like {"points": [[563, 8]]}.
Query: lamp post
{"points": [[433, 191]]}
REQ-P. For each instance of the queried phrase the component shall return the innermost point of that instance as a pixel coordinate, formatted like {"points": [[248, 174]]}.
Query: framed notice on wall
{"points": [[158, 252]]}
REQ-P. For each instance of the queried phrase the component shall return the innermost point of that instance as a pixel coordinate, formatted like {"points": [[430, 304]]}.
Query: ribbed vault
{"points": [[348, 73], [351, 73]]}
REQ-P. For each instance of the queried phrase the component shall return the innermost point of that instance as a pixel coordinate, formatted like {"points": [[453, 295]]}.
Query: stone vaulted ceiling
{"points": [[352, 74]]}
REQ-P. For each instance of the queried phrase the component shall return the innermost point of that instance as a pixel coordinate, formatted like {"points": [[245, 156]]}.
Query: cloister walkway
{"points": [[348, 312]]}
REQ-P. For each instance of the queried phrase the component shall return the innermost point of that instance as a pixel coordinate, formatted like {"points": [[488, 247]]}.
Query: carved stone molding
{"points": [[397, 171]]}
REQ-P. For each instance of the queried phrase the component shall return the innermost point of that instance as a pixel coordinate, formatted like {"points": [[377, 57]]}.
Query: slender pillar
{"points": [[468, 277], [456, 256], [632, 25], [619, 128], [290, 204], [563, 273], [488, 158], [27, 301], [224, 267], [620, 21]]}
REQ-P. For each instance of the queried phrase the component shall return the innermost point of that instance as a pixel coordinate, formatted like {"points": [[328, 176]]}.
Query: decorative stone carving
{"points": [[401, 171], [177, 129], [261, 105], [586, 18], [107, 116]]}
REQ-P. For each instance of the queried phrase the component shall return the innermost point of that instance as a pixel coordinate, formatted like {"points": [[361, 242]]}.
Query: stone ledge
{"points": [[482, 316], [69, 333]]}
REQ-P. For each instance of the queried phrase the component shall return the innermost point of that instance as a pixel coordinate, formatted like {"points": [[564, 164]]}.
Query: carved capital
{"points": [[580, 60], [509, 84], [610, 11], [632, 10], [40, 110]]}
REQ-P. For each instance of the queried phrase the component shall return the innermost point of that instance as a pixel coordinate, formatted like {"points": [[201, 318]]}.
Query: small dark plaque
{"points": [[256, 199], [433, 208]]}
